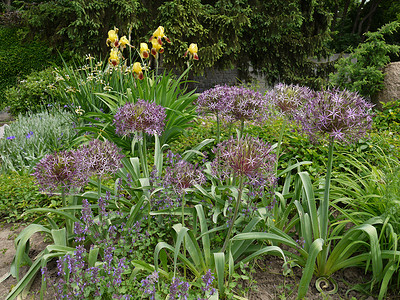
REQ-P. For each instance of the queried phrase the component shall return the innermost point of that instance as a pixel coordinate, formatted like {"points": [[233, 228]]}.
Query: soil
{"points": [[268, 280]]}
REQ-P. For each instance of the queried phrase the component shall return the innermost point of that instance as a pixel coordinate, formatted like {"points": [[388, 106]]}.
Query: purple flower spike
{"points": [[149, 285], [102, 157], [61, 171], [141, 116], [340, 115], [288, 98]]}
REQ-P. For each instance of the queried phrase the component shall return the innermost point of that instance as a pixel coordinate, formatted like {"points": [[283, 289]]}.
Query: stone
{"points": [[391, 91]]}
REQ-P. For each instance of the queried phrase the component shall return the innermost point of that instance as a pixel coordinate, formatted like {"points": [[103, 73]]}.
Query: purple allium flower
{"points": [[247, 156], [61, 171], [340, 115], [11, 137], [214, 100], [182, 174], [142, 116], [288, 98], [102, 157], [233, 103], [248, 105]]}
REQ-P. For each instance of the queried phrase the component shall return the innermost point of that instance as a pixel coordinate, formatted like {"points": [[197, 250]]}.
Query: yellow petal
{"points": [[193, 48], [112, 36], [159, 33], [124, 41], [144, 47], [137, 68]]}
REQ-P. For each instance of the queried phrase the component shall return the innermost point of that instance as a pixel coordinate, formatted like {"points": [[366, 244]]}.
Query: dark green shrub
{"points": [[18, 193], [362, 71], [33, 94], [18, 57]]}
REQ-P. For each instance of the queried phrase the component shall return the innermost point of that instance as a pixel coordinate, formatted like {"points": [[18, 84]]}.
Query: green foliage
{"points": [[167, 90], [30, 137], [361, 71], [283, 36], [82, 25], [33, 94], [389, 117], [18, 57], [19, 193], [217, 29]]}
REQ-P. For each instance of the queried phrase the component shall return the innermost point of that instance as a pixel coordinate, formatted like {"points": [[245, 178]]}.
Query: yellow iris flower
{"points": [[144, 50], [137, 69], [112, 36], [114, 57], [159, 35], [192, 50], [156, 47], [123, 41]]}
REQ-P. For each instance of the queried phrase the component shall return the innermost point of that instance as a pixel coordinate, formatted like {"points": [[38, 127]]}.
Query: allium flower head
{"points": [[288, 98], [215, 101], [61, 171], [340, 115], [182, 174], [142, 116], [233, 103], [247, 105], [248, 156], [102, 157]]}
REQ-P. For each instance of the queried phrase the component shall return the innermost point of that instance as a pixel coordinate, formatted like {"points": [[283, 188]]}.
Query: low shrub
{"points": [[33, 94], [18, 193]]}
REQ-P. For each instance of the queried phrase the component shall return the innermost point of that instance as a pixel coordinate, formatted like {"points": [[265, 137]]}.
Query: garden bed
{"points": [[266, 282]]}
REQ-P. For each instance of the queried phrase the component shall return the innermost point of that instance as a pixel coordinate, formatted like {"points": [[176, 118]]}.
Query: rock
{"points": [[391, 90], [5, 116]]}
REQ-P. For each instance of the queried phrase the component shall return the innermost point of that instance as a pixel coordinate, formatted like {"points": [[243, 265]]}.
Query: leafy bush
{"points": [[34, 94], [362, 70], [19, 193], [19, 57], [30, 137]]}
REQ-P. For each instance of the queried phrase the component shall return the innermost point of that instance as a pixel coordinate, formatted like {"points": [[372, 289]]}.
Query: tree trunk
{"points": [[369, 16], [355, 24]]}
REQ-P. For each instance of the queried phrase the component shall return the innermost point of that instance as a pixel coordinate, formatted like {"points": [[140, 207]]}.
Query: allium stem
{"points": [[99, 195], [183, 225], [238, 200], [143, 154], [241, 129], [218, 129], [278, 147], [325, 202]]}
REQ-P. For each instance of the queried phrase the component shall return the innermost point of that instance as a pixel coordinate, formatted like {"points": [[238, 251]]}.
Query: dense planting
{"points": [[167, 194]]}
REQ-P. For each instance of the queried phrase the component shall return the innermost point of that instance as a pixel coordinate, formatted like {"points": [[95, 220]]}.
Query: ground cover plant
{"points": [[208, 207]]}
